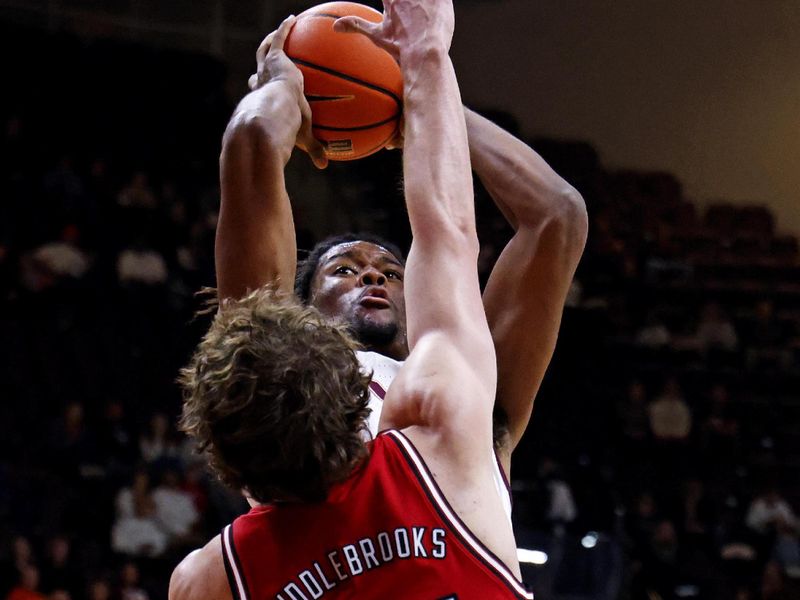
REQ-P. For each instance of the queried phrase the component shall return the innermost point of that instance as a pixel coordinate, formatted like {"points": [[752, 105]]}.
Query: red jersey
{"points": [[385, 532]]}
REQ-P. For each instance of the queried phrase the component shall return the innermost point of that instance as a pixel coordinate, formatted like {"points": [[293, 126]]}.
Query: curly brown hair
{"points": [[275, 396]]}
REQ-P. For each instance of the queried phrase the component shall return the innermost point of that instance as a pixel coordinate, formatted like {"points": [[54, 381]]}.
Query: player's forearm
{"points": [[524, 187], [255, 242], [438, 178]]}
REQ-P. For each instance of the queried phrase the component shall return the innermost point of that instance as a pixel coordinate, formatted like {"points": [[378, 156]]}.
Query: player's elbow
{"points": [[568, 220], [574, 217], [248, 131], [459, 244]]}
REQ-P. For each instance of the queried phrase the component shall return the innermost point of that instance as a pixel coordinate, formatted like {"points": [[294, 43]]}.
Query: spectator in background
{"points": [[696, 516], [772, 518], [175, 509], [671, 426], [560, 507], [63, 259], [194, 484], [715, 331], [137, 193], [136, 531], [71, 442], [773, 584], [641, 522], [28, 586], [660, 566], [130, 588], [654, 333], [58, 572], [768, 511], [720, 430], [99, 589], [65, 191], [670, 417], [117, 443], [634, 416], [766, 342], [10, 569], [158, 443], [141, 265]]}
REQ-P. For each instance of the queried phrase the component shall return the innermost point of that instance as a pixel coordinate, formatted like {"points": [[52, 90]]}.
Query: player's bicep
{"points": [[443, 298], [524, 301]]}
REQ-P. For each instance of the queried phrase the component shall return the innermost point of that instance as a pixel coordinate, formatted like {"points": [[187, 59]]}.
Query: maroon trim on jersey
{"points": [[504, 476], [233, 566], [440, 503], [376, 387]]}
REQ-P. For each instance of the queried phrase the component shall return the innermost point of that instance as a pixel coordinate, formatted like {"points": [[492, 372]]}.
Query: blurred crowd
{"points": [[662, 460]]}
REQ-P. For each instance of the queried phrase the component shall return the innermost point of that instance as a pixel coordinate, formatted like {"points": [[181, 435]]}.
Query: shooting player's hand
{"points": [[273, 66]]}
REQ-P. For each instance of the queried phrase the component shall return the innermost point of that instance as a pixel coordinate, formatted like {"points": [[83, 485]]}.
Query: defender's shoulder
{"points": [[201, 575]]}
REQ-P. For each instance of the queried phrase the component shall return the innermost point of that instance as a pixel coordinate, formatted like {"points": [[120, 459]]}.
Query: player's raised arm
{"points": [[443, 396], [524, 297], [451, 349], [255, 241]]}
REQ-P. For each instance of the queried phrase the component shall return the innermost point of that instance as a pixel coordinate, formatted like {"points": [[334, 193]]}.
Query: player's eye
{"points": [[393, 275], [344, 270]]}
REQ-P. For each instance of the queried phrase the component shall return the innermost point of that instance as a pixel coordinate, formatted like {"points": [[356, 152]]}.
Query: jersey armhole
{"points": [[233, 566], [503, 474]]}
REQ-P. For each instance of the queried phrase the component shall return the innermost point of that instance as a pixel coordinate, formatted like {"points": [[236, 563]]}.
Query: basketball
{"points": [[354, 88]]}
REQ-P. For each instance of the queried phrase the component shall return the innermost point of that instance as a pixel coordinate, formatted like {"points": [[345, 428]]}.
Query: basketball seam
{"points": [[352, 79]]}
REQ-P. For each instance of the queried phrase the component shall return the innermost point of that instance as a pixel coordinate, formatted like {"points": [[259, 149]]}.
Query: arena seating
{"points": [[109, 200]]}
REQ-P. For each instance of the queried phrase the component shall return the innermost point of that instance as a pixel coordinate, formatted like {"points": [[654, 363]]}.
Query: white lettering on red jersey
{"points": [[385, 532], [384, 370]]}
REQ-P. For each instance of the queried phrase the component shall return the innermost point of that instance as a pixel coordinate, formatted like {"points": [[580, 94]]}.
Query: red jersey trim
{"points": [[233, 567], [449, 516]]}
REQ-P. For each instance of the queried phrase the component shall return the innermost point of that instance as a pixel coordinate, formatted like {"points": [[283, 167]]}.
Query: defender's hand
{"points": [[274, 66], [409, 27]]}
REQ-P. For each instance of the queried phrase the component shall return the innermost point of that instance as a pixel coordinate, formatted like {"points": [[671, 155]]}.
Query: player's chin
{"points": [[384, 316], [374, 327]]}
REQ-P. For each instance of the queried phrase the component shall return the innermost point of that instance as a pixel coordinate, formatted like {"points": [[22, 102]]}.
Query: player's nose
{"points": [[372, 277]]}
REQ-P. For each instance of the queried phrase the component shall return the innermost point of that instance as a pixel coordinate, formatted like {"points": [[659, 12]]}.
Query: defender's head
{"points": [[274, 394], [357, 279]]}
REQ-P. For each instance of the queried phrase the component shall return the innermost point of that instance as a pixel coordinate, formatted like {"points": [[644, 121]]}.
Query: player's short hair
{"points": [[274, 395], [308, 267]]}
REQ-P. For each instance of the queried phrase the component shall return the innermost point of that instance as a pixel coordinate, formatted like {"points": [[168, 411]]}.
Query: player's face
{"points": [[361, 284]]}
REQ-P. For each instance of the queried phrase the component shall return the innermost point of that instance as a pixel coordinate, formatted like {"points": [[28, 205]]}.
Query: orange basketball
{"points": [[354, 88]]}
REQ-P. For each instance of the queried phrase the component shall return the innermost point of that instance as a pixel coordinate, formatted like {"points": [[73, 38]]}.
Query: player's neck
{"points": [[397, 350]]}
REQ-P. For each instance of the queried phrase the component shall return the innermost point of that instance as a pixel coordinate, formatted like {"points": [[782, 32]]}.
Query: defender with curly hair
{"points": [[419, 516]]}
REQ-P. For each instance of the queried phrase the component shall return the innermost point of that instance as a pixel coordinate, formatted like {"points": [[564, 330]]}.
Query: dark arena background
{"points": [[663, 456]]}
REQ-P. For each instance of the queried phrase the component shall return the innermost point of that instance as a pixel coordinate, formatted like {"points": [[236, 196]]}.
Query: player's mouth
{"points": [[374, 297]]}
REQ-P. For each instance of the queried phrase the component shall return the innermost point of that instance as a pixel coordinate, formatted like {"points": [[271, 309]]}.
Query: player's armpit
{"points": [[437, 392], [524, 300]]}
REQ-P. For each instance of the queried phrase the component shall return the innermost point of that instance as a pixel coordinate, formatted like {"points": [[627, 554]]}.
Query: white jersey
{"points": [[384, 370]]}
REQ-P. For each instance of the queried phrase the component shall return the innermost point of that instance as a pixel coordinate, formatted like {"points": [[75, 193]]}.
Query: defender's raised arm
{"points": [[441, 285], [443, 395]]}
